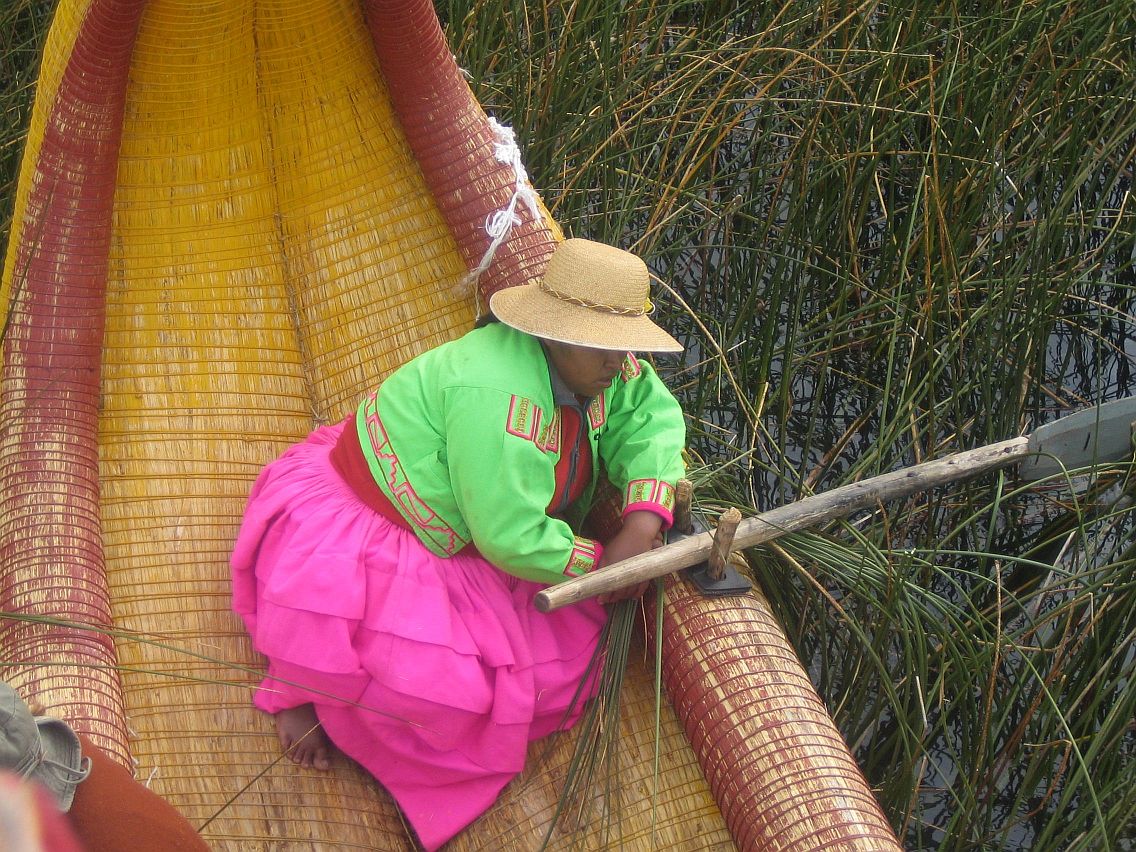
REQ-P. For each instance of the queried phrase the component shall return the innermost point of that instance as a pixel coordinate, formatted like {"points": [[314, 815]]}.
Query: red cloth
{"points": [[349, 462], [113, 812], [30, 819], [572, 435]]}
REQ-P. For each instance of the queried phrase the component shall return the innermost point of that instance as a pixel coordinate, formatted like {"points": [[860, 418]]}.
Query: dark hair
{"points": [[485, 319]]}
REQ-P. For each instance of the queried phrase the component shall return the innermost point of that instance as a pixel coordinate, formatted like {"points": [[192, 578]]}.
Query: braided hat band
{"points": [[646, 310], [592, 294]]}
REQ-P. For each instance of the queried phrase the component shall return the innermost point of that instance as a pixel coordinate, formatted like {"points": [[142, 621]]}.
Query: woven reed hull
{"points": [[234, 218]]}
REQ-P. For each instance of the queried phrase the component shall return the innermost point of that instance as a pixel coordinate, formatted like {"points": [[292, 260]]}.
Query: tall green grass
{"points": [[891, 231], [884, 232], [23, 27]]}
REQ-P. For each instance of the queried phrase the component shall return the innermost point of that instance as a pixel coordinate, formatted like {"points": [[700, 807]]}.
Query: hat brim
{"points": [[529, 309], [60, 745]]}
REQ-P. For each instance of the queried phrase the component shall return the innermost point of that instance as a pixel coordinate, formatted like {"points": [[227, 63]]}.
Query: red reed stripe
{"points": [[750, 712], [50, 534], [452, 141]]}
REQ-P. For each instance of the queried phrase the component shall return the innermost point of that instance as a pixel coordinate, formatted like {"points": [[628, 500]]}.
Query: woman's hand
{"points": [[642, 531]]}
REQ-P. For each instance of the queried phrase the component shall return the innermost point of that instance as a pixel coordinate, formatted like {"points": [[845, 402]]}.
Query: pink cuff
{"points": [[654, 508]]}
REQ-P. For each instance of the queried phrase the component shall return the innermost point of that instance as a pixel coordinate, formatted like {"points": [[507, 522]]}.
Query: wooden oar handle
{"points": [[807, 512]]}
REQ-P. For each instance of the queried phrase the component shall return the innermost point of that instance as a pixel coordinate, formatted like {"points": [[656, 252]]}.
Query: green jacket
{"points": [[464, 440]]}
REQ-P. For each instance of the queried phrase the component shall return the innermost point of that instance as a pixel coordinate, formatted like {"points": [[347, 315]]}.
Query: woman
{"points": [[386, 566]]}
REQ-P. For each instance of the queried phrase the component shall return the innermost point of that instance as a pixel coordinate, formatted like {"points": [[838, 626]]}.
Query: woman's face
{"points": [[586, 371]]}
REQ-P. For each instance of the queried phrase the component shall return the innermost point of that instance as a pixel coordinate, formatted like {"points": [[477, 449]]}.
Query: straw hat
{"points": [[40, 747], [592, 295]]}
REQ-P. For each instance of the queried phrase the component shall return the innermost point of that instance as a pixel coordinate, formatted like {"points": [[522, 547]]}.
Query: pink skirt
{"points": [[433, 673]]}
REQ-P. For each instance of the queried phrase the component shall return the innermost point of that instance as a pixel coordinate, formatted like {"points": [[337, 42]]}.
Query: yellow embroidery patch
{"points": [[597, 412], [631, 368], [524, 418], [655, 491], [583, 558], [549, 439]]}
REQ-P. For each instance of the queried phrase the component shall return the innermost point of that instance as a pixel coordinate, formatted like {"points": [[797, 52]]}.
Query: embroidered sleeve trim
{"points": [[654, 495], [585, 557], [413, 508]]}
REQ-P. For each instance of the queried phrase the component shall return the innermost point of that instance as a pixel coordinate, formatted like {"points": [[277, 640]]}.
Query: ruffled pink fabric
{"points": [[432, 673]]}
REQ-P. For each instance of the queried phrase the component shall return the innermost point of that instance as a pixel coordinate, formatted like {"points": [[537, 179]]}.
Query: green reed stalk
{"points": [[23, 27], [891, 232]]}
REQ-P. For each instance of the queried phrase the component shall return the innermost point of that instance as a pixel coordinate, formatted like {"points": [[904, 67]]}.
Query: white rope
{"points": [[499, 223]]}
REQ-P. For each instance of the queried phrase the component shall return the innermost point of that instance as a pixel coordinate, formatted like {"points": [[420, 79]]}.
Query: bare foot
{"points": [[302, 738]]}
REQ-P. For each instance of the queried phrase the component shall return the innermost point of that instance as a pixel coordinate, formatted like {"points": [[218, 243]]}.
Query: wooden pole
{"points": [[807, 512]]}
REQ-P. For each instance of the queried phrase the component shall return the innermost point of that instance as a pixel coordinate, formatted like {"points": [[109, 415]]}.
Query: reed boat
{"points": [[234, 219]]}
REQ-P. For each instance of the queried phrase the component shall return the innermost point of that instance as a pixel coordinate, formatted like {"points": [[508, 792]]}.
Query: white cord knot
{"points": [[499, 223]]}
